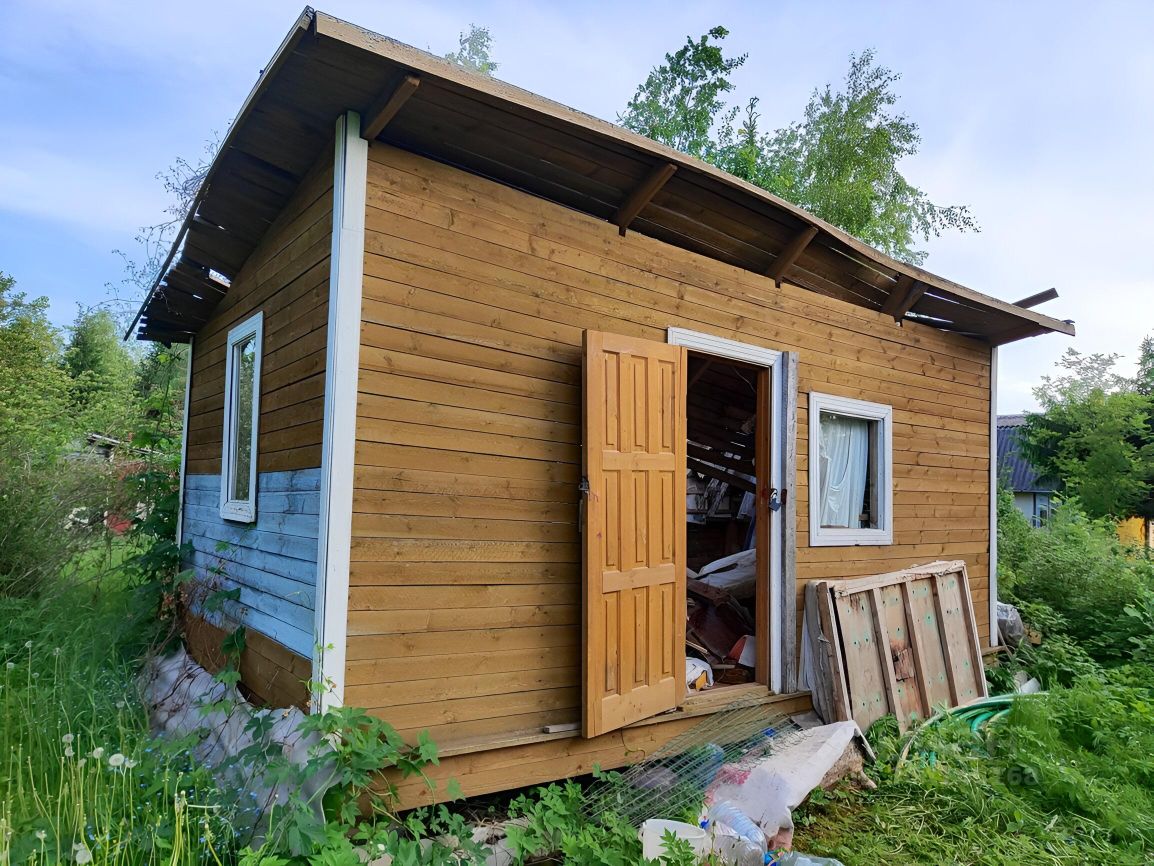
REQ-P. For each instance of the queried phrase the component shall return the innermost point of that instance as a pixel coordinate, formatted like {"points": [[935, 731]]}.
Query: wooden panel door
{"points": [[634, 536]]}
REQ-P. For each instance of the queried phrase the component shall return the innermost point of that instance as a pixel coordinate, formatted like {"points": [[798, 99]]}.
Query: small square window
{"points": [[241, 417], [850, 471]]}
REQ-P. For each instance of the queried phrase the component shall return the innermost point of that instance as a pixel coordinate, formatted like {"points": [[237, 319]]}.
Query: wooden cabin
{"points": [[482, 388]]}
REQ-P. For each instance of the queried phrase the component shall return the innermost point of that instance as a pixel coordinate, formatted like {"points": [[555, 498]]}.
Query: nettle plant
{"points": [[554, 821]]}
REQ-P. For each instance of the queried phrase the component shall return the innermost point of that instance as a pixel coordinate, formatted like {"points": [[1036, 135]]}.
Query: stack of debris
{"points": [[719, 634]]}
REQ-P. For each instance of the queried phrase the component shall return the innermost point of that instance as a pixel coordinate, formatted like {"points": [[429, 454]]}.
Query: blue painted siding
{"points": [[272, 561]]}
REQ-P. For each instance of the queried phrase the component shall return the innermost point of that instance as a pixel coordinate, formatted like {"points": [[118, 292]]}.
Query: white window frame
{"points": [[883, 444], [240, 510]]}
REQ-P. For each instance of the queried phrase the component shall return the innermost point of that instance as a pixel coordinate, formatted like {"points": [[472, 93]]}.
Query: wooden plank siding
{"points": [[270, 675], [272, 561], [466, 550], [287, 277]]}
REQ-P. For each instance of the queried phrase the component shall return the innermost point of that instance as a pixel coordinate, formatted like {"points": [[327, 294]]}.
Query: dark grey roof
{"points": [[1013, 467]]}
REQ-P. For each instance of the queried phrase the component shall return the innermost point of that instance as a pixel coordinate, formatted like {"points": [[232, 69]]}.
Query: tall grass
{"points": [[1066, 777], [83, 780]]}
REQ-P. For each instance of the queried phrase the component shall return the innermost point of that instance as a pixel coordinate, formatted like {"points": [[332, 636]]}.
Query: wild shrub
{"points": [[1077, 569], [50, 513], [53, 497]]}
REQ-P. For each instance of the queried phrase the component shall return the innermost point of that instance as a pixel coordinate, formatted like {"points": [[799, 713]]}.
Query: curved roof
{"points": [[422, 103]]}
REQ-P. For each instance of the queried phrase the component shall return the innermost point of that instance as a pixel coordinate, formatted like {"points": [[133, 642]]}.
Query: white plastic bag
{"points": [[736, 574]]}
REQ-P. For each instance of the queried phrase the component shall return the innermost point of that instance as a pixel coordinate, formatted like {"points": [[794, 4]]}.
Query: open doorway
{"points": [[727, 495]]}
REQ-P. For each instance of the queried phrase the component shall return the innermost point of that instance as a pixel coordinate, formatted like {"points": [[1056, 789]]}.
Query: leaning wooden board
{"points": [[904, 643]]}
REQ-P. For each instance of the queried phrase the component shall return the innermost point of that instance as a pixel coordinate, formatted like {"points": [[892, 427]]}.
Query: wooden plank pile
{"points": [[904, 643]]}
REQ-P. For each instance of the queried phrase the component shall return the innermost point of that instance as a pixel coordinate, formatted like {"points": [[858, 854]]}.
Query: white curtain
{"points": [[845, 451]]}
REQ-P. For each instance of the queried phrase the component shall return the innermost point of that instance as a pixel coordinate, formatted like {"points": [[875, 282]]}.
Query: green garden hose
{"points": [[978, 714]]}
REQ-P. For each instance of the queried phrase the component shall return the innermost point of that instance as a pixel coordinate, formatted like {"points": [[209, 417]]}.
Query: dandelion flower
{"points": [[120, 705], [42, 835], [57, 651], [129, 763], [36, 676], [81, 853], [67, 739], [116, 760], [68, 752], [98, 752], [27, 644], [81, 762]]}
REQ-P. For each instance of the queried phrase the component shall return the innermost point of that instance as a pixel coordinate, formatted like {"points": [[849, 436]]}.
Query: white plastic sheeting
{"points": [[771, 789], [179, 692]]}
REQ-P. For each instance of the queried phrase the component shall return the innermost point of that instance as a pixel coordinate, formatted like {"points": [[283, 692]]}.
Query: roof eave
{"points": [[305, 21], [428, 64]]}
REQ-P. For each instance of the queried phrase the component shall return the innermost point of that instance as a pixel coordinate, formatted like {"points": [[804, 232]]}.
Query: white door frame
{"points": [[770, 359]]}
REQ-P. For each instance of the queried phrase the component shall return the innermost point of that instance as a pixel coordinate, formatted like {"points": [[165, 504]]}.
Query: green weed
{"points": [[84, 780]]}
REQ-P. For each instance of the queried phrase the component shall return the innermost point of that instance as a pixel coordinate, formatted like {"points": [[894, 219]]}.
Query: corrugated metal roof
{"points": [[1013, 467]]}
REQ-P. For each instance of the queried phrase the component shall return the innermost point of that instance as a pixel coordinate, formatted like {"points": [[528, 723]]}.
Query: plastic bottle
{"points": [[735, 837], [796, 858]]}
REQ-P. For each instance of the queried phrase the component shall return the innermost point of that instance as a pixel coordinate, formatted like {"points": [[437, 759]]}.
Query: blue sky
{"points": [[1039, 115]]}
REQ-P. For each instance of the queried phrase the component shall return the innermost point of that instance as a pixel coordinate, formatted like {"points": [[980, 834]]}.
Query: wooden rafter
{"points": [[195, 280], [905, 294], [642, 194], [386, 108], [792, 252], [1039, 298], [744, 465], [731, 478]]}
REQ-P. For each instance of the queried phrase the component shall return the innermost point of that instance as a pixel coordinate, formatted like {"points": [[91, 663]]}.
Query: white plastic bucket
{"points": [[652, 831]]}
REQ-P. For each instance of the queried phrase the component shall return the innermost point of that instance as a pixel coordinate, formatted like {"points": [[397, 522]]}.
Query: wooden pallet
{"points": [[903, 643]]}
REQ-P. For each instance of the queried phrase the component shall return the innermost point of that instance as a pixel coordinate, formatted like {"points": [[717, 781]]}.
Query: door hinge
{"points": [[584, 486]]}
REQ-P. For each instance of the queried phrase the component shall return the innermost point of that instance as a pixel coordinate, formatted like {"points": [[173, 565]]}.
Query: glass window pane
{"points": [[847, 472], [244, 361]]}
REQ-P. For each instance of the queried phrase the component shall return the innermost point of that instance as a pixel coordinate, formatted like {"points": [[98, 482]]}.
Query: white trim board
{"points": [[820, 536], [338, 448], [993, 587], [184, 444], [722, 347]]}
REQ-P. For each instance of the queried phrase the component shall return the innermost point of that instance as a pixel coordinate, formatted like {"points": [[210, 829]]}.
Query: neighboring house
{"points": [[444, 451], [1033, 494], [98, 448]]}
